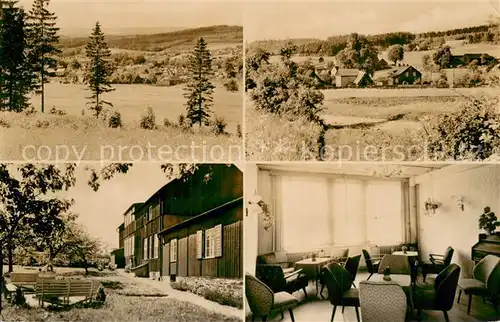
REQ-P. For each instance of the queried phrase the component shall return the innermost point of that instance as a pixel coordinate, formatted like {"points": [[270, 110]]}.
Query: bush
{"points": [[115, 120], [30, 111], [139, 60], [472, 133], [219, 125], [43, 124], [275, 138], [231, 85], [75, 64], [148, 120], [4, 123], [181, 120], [238, 131], [55, 111], [168, 123], [101, 296], [18, 298]]}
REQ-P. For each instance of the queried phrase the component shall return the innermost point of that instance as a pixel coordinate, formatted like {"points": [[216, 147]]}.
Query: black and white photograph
{"points": [[372, 80], [121, 242], [372, 242], [121, 80]]}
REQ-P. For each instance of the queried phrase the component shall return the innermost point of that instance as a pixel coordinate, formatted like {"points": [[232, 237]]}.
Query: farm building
{"points": [[190, 227], [345, 77], [402, 75], [465, 59]]}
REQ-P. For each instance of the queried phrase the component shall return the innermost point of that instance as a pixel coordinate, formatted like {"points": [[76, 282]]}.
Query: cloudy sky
{"points": [[282, 19], [118, 16], [102, 211]]}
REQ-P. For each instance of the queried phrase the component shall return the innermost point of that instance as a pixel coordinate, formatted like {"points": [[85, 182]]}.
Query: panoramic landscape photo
{"points": [[120, 80], [372, 81]]}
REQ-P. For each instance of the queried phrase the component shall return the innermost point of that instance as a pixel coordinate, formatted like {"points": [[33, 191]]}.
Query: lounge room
{"points": [[372, 242]]}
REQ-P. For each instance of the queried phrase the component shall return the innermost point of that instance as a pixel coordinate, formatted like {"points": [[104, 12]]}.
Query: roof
{"points": [[392, 72], [200, 216], [347, 72], [131, 206], [360, 77]]}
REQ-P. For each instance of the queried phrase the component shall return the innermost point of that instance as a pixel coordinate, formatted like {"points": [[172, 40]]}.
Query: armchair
{"points": [[338, 281], [273, 276], [263, 302], [372, 264], [437, 262], [442, 295], [484, 282], [382, 301]]}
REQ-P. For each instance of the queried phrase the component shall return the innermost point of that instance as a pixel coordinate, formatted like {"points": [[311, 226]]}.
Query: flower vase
{"points": [[387, 274], [313, 258]]}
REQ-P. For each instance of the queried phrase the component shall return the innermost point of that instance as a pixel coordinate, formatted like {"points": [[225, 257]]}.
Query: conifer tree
{"points": [[42, 42], [16, 73], [199, 89], [99, 69]]}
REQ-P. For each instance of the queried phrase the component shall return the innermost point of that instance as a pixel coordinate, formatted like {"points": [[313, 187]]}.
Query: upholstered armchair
{"points": [[340, 255], [382, 301], [352, 265], [441, 296], [263, 302], [371, 264], [398, 264], [274, 277], [338, 281], [485, 281], [280, 258], [437, 262]]}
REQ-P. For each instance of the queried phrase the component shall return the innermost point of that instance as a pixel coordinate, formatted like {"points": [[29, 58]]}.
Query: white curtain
{"points": [[348, 212]]}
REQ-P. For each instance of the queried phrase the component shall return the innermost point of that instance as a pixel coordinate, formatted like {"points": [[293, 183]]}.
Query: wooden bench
{"points": [[51, 290]]}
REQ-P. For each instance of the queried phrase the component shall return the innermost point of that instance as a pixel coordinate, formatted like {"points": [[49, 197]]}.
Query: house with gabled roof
{"points": [[345, 77], [401, 75]]}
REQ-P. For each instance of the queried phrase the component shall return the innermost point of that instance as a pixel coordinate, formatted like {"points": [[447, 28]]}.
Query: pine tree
{"points": [[16, 73], [42, 41], [99, 70], [199, 89]]}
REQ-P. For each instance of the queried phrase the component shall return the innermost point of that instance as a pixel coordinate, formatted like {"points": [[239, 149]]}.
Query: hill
{"points": [[214, 35]]}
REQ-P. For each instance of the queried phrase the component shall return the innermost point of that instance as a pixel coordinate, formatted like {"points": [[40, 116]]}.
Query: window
{"points": [[145, 248], [173, 250], [414, 74], [149, 214], [213, 242], [199, 244], [128, 246], [156, 243], [151, 246], [407, 74]]}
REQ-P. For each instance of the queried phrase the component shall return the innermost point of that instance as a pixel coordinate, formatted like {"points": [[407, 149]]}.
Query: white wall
{"points": [[450, 226], [250, 223]]}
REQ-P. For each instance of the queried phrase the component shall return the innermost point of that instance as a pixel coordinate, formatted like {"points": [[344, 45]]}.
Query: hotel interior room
{"points": [[372, 242]]}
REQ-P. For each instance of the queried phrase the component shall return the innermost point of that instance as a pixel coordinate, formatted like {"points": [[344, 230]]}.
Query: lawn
{"points": [[84, 137], [125, 301]]}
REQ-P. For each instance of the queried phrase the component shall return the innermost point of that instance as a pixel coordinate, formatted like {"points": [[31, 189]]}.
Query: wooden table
{"points": [[312, 268]]}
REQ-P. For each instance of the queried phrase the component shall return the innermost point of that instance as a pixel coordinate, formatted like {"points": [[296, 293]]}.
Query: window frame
{"points": [[173, 250]]}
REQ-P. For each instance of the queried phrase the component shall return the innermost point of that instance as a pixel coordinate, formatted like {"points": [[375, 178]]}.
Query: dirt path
{"points": [[164, 287]]}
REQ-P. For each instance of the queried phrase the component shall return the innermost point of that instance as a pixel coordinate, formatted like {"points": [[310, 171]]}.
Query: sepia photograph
{"points": [[372, 242], [121, 242], [121, 80], [372, 81]]}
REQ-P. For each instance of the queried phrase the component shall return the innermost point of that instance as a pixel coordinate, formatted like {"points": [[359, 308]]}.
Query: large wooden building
{"points": [[190, 227]]}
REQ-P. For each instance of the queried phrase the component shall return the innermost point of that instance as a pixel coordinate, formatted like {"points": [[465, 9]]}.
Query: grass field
{"points": [[89, 136], [126, 300]]}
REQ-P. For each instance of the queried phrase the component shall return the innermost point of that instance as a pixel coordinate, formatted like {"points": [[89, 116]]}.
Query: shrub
{"points": [[219, 125], [18, 298], [139, 60], [238, 131], [101, 296], [182, 120], [30, 111], [231, 85], [168, 123], [115, 120], [4, 123], [472, 133], [148, 120], [55, 111], [75, 64], [275, 138], [42, 124]]}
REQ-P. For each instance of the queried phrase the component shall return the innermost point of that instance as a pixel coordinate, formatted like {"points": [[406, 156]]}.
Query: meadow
{"points": [[89, 136]]}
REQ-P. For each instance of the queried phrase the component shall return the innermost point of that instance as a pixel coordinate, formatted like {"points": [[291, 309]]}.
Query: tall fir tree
{"points": [[99, 69], [42, 44], [16, 73], [199, 89]]}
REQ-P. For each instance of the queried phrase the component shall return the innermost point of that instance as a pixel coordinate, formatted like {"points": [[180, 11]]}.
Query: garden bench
{"points": [[51, 290], [24, 281]]}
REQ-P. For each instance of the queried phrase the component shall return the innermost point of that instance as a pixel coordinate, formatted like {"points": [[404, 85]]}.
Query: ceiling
{"points": [[356, 169]]}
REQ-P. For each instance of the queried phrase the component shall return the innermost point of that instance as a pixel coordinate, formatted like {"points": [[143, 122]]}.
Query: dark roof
{"points": [[395, 71], [360, 77], [200, 216]]}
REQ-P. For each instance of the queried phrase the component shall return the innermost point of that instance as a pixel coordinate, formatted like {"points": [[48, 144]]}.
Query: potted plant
{"points": [[404, 249], [488, 221], [387, 274], [430, 206], [259, 207], [314, 256]]}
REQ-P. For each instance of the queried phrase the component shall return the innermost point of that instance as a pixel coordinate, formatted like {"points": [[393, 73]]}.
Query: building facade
{"points": [[188, 224]]}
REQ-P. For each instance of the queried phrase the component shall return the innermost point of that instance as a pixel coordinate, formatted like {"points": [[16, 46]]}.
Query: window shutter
{"points": [[218, 240], [199, 244]]}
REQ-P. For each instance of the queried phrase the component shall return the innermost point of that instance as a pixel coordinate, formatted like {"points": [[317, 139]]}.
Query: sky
{"points": [[281, 19], [78, 17], [102, 211]]}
